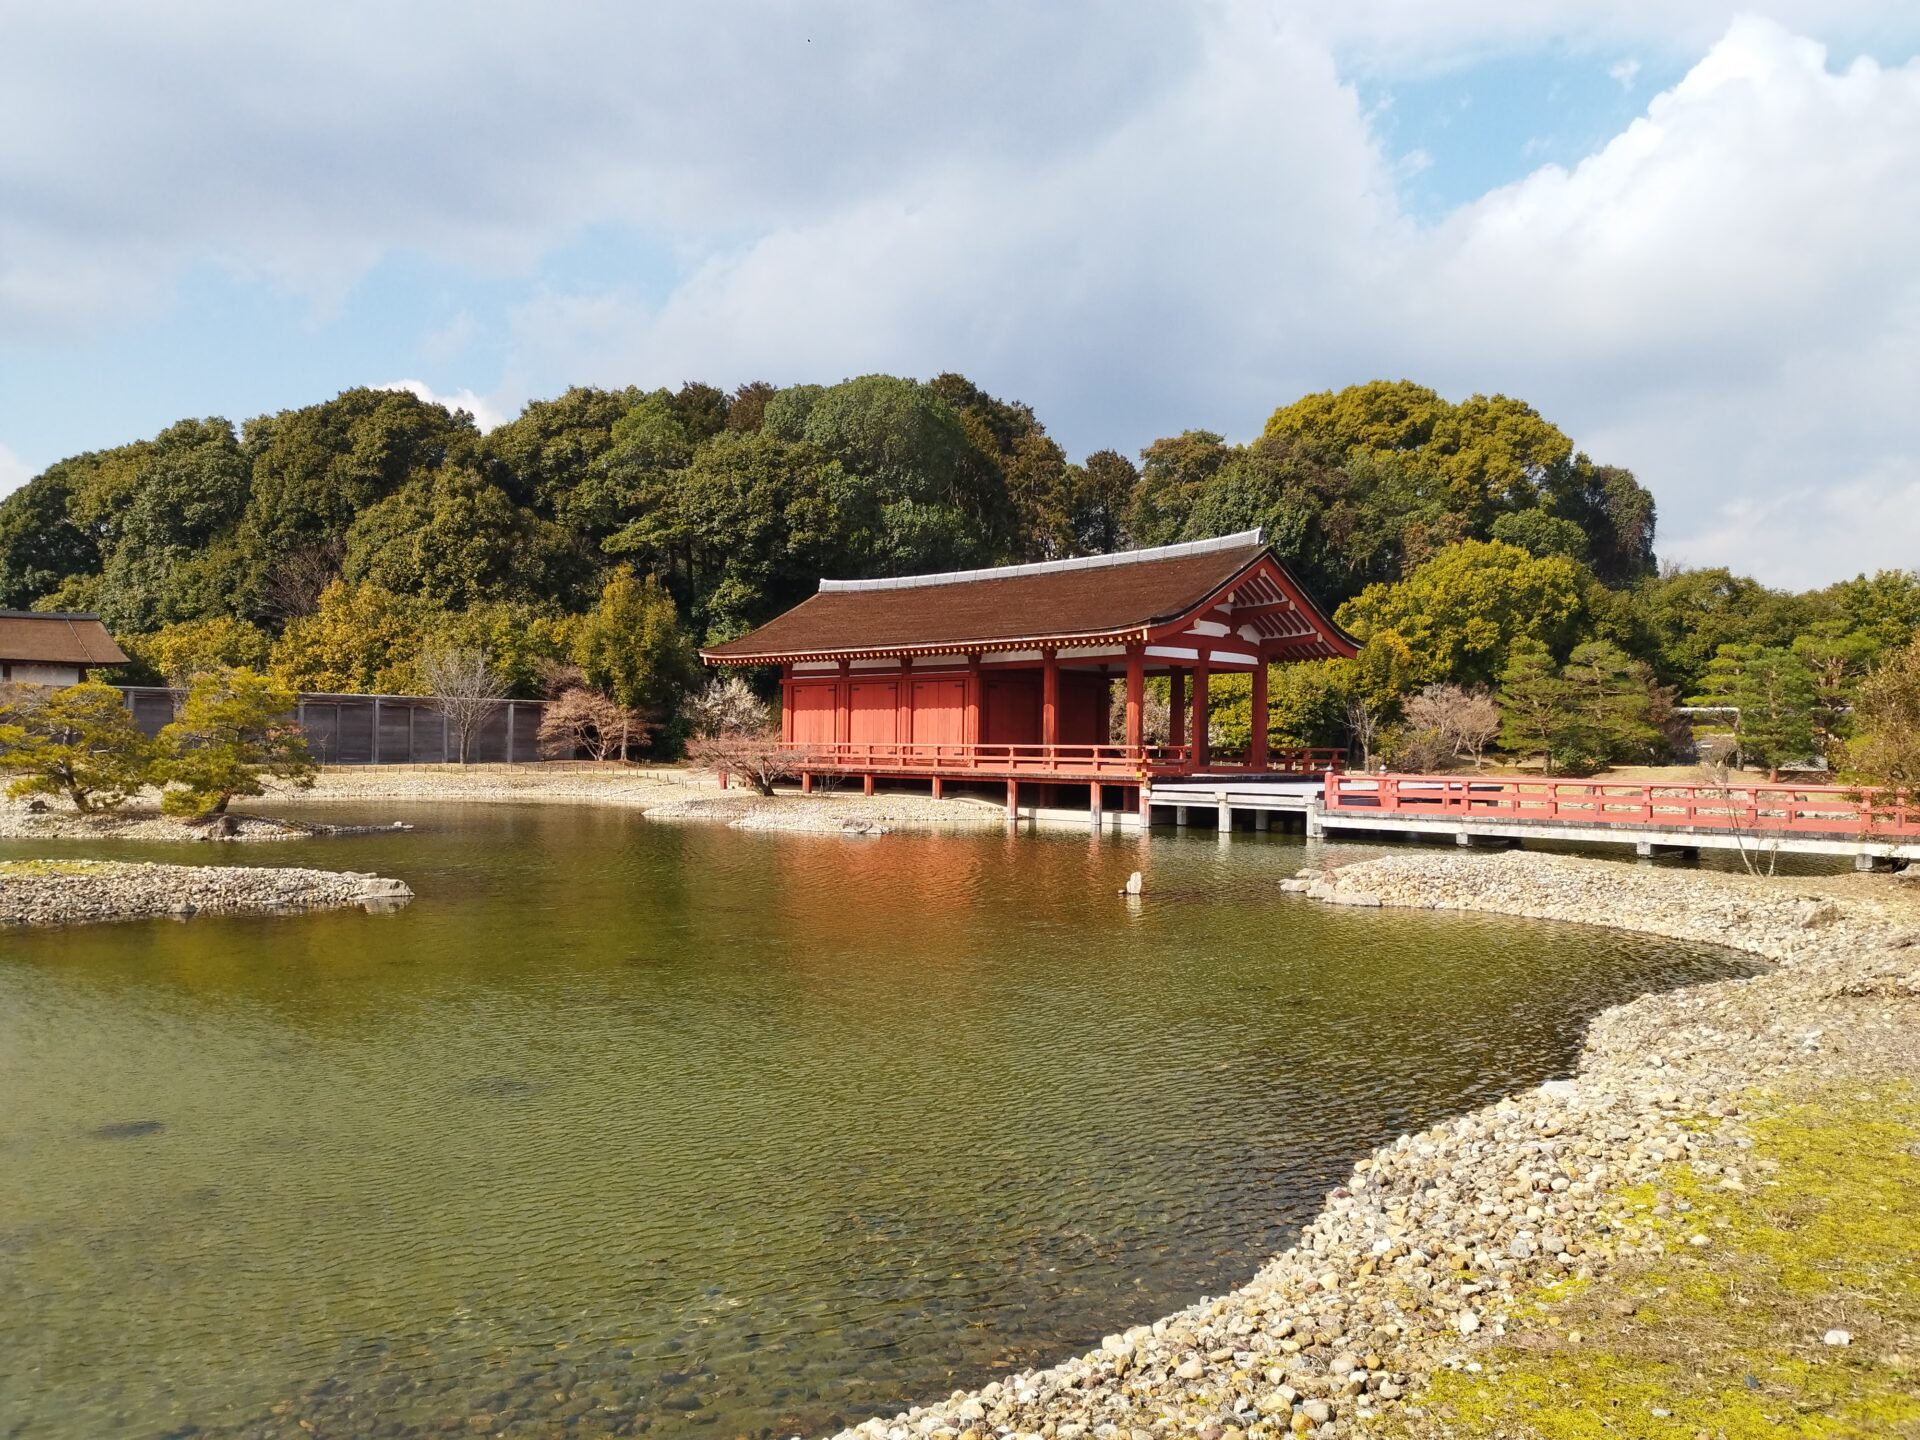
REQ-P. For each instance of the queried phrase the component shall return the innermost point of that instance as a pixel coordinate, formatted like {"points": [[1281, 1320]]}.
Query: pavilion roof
{"points": [[56, 638], [1056, 602]]}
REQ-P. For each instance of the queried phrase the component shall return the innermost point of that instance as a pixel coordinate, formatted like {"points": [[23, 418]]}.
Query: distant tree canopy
{"points": [[335, 543]]}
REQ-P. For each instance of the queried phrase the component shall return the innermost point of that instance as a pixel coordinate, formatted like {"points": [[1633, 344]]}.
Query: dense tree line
{"points": [[601, 535]]}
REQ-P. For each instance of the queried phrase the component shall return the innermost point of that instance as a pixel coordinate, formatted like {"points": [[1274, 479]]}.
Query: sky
{"points": [[1684, 230]]}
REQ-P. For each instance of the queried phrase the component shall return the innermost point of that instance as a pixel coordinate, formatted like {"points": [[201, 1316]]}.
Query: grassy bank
{"points": [[1769, 1288]]}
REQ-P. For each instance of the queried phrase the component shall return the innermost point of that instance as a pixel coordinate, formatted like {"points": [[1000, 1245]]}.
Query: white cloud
{"points": [[1624, 72], [486, 414], [1139, 219], [1722, 298], [13, 471]]}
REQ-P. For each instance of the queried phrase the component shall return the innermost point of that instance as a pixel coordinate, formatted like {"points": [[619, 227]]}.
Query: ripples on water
{"points": [[628, 1128]]}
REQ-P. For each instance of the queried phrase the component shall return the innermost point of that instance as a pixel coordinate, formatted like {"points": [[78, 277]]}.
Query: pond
{"points": [[625, 1127]]}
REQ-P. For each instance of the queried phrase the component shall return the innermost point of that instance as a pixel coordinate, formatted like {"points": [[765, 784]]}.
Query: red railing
{"points": [[1062, 762], [1762, 808], [1088, 761]]}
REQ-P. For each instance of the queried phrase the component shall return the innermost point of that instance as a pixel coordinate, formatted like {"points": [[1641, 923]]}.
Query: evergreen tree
{"points": [[235, 729], [1774, 693], [79, 742]]}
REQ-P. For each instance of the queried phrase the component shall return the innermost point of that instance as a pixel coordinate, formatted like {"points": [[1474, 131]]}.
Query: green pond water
{"points": [[630, 1128]]}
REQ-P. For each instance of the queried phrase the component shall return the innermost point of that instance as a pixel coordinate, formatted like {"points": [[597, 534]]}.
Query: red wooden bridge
{"points": [[1652, 815]]}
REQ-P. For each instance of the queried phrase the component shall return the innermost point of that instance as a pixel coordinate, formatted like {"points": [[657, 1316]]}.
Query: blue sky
{"points": [[1683, 232]]}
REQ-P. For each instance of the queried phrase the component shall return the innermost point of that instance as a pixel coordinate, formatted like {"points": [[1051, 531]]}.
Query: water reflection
{"points": [[675, 1129]]}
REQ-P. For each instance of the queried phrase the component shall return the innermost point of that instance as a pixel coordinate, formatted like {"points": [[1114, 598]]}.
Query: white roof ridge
{"points": [[1049, 567]]}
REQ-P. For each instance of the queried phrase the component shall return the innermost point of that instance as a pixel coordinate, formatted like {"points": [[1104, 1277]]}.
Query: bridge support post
{"points": [[1316, 819], [806, 782], [1013, 802], [1874, 864], [1263, 820], [1180, 817], [1094, 799], [1226, 816], [866, 784], [939, 788]]}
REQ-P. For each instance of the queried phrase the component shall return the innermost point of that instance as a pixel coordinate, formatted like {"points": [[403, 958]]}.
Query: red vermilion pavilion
{"points": [[1008, 674]]}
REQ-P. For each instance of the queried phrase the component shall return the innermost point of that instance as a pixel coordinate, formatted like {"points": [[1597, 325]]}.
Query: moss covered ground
{"points": [[1771, 1291]]}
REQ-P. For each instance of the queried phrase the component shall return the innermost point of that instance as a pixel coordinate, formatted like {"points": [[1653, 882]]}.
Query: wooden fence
{"points": [[379, 729]]}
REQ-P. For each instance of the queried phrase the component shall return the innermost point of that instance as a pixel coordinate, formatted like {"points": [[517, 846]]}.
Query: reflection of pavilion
{"points": [[1008, 674]]}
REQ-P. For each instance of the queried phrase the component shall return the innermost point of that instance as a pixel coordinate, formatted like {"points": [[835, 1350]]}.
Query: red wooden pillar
{"points": [[970, 722], [1176, 705], [1136, 699], [786, 703], [903, 712], [1200, 755], [1257, 746], [1049, 699], [939, 788], [843, 704], [1013, 800]]}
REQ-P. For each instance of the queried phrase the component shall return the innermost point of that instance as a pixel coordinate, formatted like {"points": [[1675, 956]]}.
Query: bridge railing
{"points": [[1763, 808]]}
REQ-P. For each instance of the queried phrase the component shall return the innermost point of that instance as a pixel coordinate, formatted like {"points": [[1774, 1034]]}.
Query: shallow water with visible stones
{"points": [[629, 1128]]}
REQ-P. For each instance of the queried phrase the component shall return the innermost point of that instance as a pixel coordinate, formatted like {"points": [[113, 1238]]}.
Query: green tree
{"points": [[1612, 697], [759, 523], [234, 730], [542, 455], [359, 640], [41, 541], [1173, 473], [1541, 534], [1097, 493], [455, 538], [316, 469], [1774, 693], [79, 742], [1540, 713], [1687, 616], [174, 654], [920, 495], [1459, 613], [631, 646], [1886, 752]]}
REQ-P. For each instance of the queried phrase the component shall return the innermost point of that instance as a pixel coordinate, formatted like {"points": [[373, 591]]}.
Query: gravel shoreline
{"points": [[71, 892], [60, 822], [1419, 1259], [659, 792]]}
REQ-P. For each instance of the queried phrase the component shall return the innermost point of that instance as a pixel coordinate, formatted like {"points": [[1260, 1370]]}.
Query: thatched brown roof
{"points": [[56, 638]]}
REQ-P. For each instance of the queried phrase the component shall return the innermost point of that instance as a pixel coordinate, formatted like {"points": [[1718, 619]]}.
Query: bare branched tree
{"points": [[580, 720], [1759, 855], [557, 677], [292, 584], [758, 758], [1364, 721], [469, 691], [1468, 719]]}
